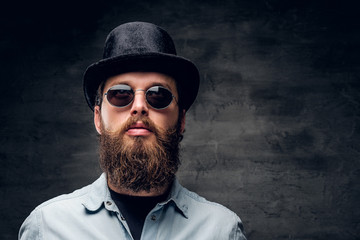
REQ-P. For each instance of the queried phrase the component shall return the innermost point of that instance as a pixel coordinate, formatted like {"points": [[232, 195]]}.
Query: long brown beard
{"points": [[136, 163]]}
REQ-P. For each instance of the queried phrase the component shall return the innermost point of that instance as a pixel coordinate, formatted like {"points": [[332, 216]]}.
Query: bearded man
{"points": [[140, 92]]}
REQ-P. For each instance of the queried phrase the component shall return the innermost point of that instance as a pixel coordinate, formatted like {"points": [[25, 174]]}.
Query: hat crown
{"points": [[138, 38], [145, 47]]}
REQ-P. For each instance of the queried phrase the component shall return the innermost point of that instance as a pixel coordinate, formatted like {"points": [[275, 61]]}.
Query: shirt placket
{"points": [[151, 224], [111, 206]]}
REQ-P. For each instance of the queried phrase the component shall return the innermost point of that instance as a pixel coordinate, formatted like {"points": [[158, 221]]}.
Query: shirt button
{"points": [[122, 218], [108, 203], [153, 217]]}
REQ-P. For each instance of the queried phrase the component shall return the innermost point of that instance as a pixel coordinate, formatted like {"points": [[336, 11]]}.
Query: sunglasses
{"points": [[122, 95]]}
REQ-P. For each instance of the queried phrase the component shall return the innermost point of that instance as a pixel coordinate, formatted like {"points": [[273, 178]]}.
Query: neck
{"points": [[152, 193]]}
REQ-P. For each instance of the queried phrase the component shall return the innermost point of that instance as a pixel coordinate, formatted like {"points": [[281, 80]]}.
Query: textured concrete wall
{"points": [[273, 135]]}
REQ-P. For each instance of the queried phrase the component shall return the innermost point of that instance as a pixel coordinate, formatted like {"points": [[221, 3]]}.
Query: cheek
{"points": [[165, 120], [112, 120], [175, 119]]}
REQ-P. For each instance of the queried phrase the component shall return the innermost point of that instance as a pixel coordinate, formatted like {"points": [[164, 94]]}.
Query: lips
{"points": [[138, 129]]}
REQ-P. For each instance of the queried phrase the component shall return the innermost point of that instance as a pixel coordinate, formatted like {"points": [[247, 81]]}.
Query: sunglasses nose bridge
{"points": [[139, 103], [137, 92]]}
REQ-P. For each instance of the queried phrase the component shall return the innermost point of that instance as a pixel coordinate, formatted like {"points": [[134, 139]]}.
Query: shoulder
{"points": [[61, 200], [63, 208], [197, 203], [212, 214], [91, 195], [75, 196]]}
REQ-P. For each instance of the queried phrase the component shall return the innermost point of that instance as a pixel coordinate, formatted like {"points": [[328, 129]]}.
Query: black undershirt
{"points": [[135, 209]]}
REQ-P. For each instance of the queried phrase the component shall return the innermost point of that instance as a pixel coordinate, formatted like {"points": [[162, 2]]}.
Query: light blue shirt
{"points": [[90, 213]]}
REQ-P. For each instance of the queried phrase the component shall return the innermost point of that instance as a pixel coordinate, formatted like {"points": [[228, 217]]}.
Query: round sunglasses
{"points": [[122, 95]]}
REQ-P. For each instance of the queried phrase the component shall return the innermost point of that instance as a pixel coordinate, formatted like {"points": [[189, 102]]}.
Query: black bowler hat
{"points": [[145, 47]]}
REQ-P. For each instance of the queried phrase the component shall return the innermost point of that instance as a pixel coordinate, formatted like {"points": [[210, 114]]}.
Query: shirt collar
{"points": [[99, 194], [177, 195]]}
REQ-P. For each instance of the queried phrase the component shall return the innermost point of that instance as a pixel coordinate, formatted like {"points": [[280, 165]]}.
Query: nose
{"points": [[139, 105]]}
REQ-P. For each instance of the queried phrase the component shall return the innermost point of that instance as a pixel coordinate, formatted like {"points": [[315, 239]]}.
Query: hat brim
{"points": [[182, 70]]}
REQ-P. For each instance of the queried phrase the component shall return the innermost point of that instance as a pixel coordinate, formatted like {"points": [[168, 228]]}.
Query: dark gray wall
{"points": [[273, 135]]}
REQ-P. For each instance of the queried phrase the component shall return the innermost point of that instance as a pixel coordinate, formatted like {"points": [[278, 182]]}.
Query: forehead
{"points": [[142, 80]]}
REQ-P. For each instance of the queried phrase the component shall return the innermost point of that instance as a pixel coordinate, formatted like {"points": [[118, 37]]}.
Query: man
{"points": [[139, 92]]}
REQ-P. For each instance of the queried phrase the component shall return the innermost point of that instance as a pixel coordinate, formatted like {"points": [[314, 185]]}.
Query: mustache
{"points": [[148, 123]]}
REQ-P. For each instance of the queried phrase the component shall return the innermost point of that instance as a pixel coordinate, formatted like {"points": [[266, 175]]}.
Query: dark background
{"points": [[274, 132]]}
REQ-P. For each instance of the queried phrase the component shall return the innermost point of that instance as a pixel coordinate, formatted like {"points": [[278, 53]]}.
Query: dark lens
{"points": [[120, 95], [158, 97]]}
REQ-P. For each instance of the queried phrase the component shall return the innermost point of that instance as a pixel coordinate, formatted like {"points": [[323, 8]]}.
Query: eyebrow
{"points": [[162, 84], [153, 84]]}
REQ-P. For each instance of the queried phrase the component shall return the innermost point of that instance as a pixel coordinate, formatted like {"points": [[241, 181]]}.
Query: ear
{"points": [[97, 119], [183, 121]]}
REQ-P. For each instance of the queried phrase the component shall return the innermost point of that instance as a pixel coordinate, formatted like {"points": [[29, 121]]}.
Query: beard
{"points": [[137, 163]]}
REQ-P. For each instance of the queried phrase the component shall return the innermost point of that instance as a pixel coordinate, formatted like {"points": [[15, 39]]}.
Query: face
{"points": [[139, 145], [113, 117]]}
